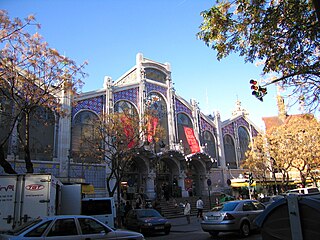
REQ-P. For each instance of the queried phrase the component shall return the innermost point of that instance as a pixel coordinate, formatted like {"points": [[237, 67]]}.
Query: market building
{"points": [[198, 149]]}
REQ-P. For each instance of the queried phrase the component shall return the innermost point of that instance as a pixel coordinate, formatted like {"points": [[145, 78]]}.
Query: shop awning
{"points": [[241, 183]]}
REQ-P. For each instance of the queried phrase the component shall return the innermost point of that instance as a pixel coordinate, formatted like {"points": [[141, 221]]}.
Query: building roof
{"points": [[276, 121]]}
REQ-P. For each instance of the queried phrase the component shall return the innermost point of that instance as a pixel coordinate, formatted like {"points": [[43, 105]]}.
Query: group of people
{"points": [[125, 208], [199, 207]]}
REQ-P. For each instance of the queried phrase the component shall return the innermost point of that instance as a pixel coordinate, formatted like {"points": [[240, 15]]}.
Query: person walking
{"points": [[199, 206], [187, 211]]}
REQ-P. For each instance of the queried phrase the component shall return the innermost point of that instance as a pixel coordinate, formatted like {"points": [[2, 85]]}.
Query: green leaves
{"points": [[284, 34]]}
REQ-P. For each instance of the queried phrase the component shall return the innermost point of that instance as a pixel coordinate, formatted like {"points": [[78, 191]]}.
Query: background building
{"points": [[197, 147]]}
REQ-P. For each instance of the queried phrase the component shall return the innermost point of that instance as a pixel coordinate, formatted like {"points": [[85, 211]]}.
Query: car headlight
{"points": [[205, 218]]}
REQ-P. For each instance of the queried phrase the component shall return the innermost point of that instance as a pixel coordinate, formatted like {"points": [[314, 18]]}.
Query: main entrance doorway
{"points": [[166, 182], [134, 180]]}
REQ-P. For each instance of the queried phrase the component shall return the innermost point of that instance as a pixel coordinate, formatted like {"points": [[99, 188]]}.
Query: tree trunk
{"points": [[5, 164], [27, 157], [119, 223]]}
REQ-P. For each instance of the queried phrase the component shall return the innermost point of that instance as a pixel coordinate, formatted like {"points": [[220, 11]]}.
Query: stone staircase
{"points": [[169, 210]]}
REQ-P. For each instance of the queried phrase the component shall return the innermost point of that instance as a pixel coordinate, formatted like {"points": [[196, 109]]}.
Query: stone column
{"points": [[220, 146], [150, 187], [64, 136], [181, 179]]}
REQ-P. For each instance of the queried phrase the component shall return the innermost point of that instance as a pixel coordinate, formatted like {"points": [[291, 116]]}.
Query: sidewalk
{"points": [[180, 224]]}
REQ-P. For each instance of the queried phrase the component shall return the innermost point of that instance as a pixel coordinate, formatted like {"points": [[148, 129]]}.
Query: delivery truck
{"points": [[26, 196]]}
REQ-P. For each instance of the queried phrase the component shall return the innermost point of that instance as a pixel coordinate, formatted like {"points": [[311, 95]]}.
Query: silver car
{"points": [[68, 228], [232, 216]]}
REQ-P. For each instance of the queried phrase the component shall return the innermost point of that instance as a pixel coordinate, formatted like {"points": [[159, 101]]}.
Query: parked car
{"points": [[232, 216], [147, 221], [68, 227], [267, 200]]}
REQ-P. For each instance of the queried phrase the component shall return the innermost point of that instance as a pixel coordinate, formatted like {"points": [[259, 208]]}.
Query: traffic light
{"points": [[258, 91], [250, 179]]}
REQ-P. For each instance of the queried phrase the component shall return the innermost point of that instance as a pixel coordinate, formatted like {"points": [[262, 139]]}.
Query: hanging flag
{"points": [[192, 141], [128, 130]]}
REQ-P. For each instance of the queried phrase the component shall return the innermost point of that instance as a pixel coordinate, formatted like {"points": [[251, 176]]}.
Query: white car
{"points": [[306, 190], [68, 227], [232, 216]]}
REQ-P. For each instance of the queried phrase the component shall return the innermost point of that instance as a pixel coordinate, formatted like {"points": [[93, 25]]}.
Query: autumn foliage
{"points": [[292, 150]]}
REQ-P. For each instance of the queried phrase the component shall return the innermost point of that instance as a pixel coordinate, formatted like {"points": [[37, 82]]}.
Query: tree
{"points": [[257, 160], [300, 138], [284, 35], [293, 146], [116, 139], [32, 76]]}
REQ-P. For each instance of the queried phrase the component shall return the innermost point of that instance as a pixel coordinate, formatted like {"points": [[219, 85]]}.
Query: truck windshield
{"points": [[96, 207]]}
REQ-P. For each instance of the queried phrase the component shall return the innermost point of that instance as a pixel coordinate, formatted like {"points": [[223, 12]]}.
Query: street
{"points": [[200, 235], [180, 230]]}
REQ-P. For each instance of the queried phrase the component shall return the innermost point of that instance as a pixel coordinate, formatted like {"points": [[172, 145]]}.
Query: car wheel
{"points": [[245, 229], [214, 233]]}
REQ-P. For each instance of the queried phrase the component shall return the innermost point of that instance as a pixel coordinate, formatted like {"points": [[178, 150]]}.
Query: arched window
{"points": [[83, 128], [123, 106], [41, 132], [244, 141], [210, 143], [229, 151], [184, 121], [156, 104]]}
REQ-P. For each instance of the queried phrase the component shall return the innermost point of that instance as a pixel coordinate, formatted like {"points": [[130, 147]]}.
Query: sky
{"points": [[109, 34]]}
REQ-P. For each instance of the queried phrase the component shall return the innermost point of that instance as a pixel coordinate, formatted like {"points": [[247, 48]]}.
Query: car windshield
{"points": [[24, 226], [228, 206], [148, 213]]}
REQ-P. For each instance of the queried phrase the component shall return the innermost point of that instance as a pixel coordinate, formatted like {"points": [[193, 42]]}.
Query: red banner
{"points": [[192, 141], [128, 130], [151, 128]]}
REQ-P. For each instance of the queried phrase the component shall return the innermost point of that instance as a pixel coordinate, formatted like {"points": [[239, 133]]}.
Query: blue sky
{"points": [[109, 34]]}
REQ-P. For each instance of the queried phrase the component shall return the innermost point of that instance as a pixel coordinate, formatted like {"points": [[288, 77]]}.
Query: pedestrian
{"points": [[199, 206], [187, 211], [122, 212], [138, 202], [127, 208]]}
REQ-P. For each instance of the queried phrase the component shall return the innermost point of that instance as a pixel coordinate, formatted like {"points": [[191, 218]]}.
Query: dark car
{"points": [[232, 216], [147, 221]]}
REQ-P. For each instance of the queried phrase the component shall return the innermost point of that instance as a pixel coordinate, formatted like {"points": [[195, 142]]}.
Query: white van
{"points": [[307, 190], [102, 209]]}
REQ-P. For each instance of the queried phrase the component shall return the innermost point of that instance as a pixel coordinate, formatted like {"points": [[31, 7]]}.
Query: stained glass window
{"points": [[244, 140], [155, 75], [184, 120], [229, 151], [157, 106], [210, 141]]}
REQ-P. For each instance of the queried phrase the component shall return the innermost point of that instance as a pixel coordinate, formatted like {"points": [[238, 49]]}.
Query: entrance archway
{"points": [[134, 179], [195, 176], [166, 182]]}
